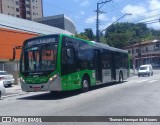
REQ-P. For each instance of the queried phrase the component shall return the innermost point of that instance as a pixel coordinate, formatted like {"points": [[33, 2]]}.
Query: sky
{"points": [[83, 14]]}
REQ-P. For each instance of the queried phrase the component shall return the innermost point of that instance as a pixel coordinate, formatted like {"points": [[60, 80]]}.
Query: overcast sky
{"points": [[82, 12]]}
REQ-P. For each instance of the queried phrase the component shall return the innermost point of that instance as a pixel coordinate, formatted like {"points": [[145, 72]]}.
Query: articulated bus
{"points": [[61, 62]]}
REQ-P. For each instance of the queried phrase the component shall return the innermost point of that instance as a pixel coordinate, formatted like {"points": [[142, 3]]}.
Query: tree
{"points": [[120, 34], [81, 36], [89, 33]]}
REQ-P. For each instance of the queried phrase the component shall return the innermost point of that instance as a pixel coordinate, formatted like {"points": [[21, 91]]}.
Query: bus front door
{"points": [[98, 66]]}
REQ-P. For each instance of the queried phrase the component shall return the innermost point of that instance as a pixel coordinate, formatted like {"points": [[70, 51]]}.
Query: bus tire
{"points": [[85, 84], [120, 77]]}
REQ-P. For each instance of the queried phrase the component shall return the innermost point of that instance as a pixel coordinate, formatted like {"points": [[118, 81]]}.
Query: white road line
{"points": [[142, 80], [153, 81], [132, 81]]}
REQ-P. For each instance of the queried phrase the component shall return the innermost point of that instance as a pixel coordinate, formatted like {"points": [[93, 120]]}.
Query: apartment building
{"points": [[26, 9], [147, 52]]}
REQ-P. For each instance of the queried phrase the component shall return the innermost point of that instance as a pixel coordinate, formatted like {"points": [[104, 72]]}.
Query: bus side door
{"points": [[98, 66], [70, 76]]}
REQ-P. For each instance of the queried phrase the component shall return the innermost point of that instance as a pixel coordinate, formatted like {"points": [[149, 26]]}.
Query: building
{"points": [[26, 9], [59, 21], [13, 31], [147, 52]]}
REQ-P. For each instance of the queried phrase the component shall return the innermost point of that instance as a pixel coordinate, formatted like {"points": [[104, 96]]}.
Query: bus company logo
{"points": [[6, 119]]}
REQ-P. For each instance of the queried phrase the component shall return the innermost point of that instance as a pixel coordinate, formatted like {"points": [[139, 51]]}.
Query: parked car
{"points": [[2, 89], [7, 78], [145, 70]]}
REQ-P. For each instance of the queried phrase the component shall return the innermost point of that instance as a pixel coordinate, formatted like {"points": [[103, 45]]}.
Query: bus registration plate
{"points": [[36, 88]]}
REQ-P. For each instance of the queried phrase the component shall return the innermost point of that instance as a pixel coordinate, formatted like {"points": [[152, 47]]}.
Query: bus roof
{"points": [[99, 45], [93, 43]]}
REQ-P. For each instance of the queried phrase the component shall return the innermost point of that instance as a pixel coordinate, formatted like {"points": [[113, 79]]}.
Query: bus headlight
{"points": [[22, 80], [53, 78]]}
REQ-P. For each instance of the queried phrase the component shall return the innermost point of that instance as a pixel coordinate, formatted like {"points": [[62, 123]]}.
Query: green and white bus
{"points": [[61, 62]]}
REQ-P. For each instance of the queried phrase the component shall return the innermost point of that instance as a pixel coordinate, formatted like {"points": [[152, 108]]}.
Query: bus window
{"points": [[68, 60]]}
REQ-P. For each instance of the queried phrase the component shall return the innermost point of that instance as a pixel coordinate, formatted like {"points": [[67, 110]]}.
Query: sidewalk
{"points": [[14, 90], [132, 73]]}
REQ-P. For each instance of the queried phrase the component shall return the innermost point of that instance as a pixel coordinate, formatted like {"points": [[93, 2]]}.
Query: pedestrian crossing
{"points": [[144, 80], [153, 81]]}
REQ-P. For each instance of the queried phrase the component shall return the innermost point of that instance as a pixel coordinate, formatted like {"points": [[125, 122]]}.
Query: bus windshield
{"points": [[37, 58]]}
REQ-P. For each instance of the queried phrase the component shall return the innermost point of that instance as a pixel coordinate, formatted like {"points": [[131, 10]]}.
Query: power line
{"points": [[152, 22], [146, 18]]}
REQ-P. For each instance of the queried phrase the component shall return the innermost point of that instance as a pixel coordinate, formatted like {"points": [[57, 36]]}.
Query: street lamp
{"points": [[127, 14]]}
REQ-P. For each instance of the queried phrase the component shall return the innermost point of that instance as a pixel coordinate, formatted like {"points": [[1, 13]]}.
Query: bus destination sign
{"points": [[41, 41]]}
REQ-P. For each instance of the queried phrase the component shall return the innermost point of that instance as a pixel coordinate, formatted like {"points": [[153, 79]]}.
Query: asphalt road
{"points": [[134, 97]]}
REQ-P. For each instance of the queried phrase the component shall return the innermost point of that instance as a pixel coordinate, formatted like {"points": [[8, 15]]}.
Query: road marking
{"points": [[131, 81], [153, 81], [142, 80]]}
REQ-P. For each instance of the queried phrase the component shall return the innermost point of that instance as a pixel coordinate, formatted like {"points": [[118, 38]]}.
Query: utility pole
{"points": [[97, 22], [140, 48], [133, 56]]}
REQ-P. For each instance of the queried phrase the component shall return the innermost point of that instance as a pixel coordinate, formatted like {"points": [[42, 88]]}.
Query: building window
{"points": [[17, 9], [27, 5], [146, 49], [17, 3], [129, 51], [28, 12], [33, 7], [156, 47], [137, 50]]}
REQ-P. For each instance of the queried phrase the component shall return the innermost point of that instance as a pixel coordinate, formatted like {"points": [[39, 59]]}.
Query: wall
{"points": [[9, 39]]}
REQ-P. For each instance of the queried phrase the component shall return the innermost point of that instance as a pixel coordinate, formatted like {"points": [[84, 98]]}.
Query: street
{"points": [[137, 96]]}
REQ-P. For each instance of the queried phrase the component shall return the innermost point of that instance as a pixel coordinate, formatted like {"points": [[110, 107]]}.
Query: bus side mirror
{"points": [[14, 52]]}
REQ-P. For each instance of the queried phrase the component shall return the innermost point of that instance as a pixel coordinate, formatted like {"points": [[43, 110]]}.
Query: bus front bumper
{"points": [[49, 86]]}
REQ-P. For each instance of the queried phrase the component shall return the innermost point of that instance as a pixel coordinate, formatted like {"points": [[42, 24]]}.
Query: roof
{"points": [[54, 17], [11, 22], [143, 43]]}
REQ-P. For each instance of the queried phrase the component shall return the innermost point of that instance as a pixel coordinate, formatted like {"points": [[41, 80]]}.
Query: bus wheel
{"points": [[120, 77], [85, 85]]}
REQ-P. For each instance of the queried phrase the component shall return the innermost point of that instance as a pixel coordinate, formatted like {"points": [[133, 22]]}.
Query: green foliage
{"points": [[82, 36], [87, 34], [121, 34]]}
